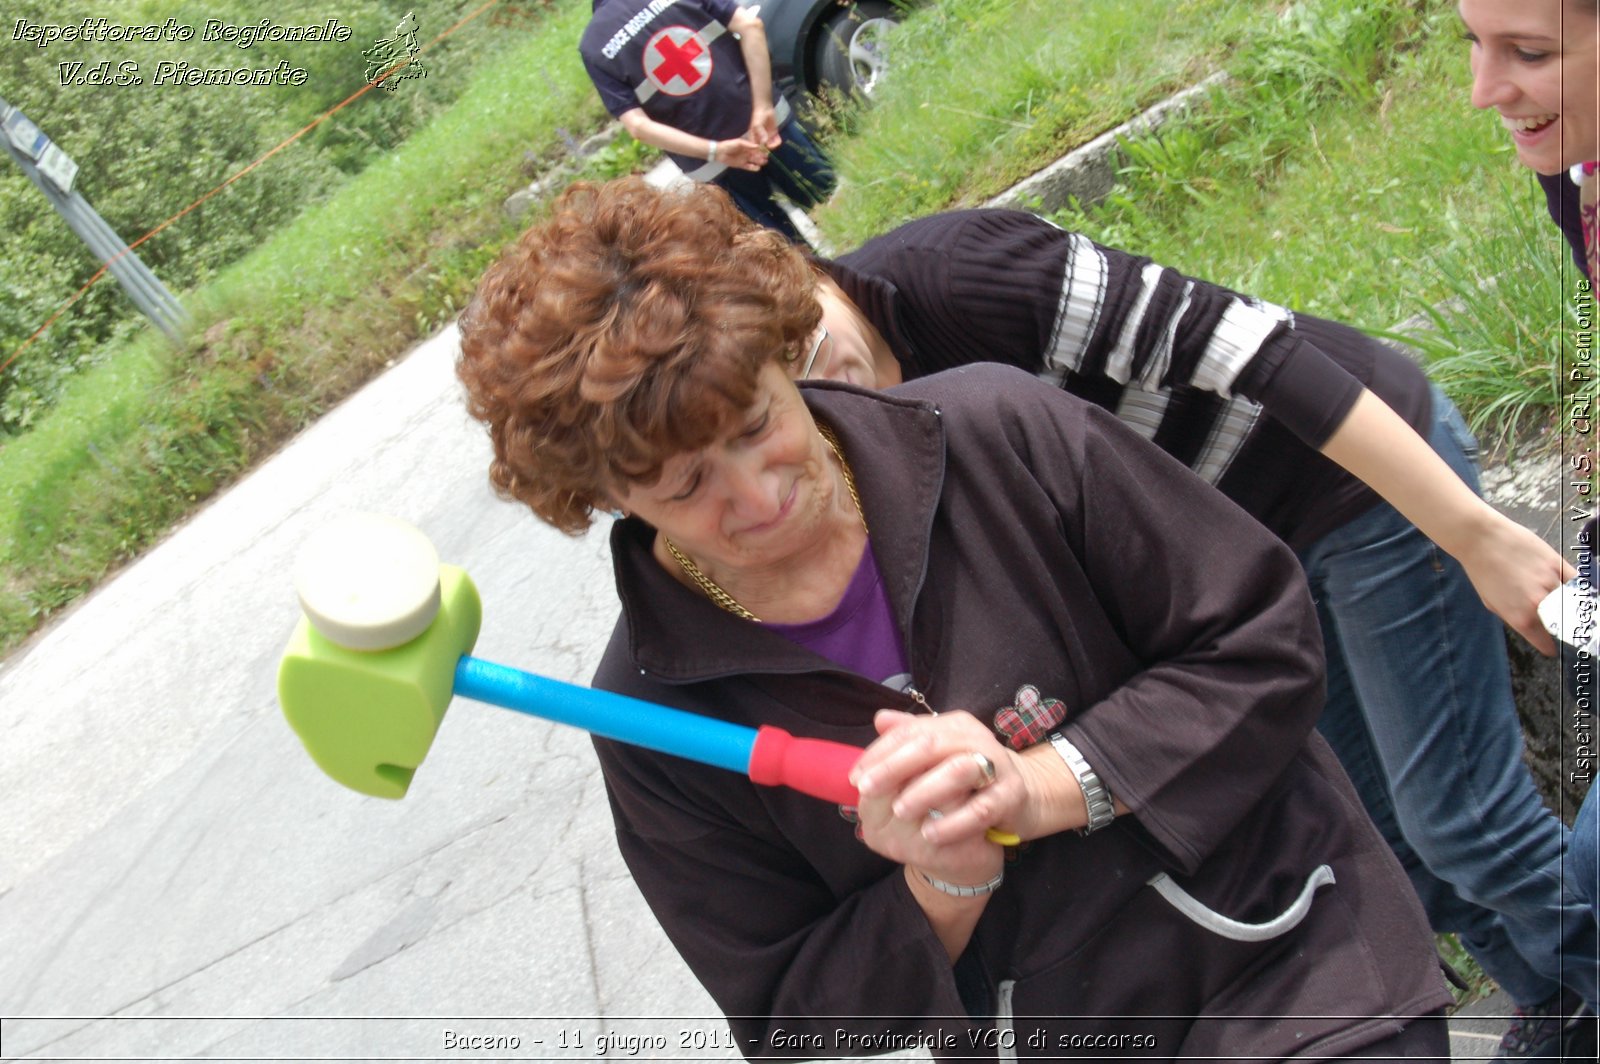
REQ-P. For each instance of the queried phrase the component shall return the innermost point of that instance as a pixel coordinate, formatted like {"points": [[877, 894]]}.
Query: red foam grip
{"points": [[818, 767]]}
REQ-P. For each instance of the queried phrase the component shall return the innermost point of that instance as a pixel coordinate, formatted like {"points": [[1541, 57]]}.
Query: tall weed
{"points": [[1498, 342], [1342, 171], [1315, 55], [986, 92]]}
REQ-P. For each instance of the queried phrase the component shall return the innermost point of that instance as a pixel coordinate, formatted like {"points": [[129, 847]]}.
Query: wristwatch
{"points": [[1102, 809]]}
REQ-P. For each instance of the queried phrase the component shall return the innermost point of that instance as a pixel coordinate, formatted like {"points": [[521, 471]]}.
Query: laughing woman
{"points": [[1536, 65], [1130, 695]]}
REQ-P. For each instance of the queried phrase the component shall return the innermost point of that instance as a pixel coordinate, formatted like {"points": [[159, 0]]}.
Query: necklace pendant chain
{"points": [[713, 590], [849, 477]]}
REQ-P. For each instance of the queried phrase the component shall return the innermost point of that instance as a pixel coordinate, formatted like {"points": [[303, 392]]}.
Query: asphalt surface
{"points": [[180, 880]]}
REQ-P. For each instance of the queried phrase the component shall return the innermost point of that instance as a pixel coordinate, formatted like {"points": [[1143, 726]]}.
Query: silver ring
{"points": [[986, 767]]}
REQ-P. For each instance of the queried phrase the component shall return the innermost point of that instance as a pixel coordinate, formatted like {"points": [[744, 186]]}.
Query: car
{"points": [[822, 47]]}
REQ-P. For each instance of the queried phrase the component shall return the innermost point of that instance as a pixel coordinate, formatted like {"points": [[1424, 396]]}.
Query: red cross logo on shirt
{"points": [[676, 62]]}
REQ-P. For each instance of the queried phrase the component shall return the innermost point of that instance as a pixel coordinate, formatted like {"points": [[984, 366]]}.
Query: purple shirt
{"points": [[860, 633]]}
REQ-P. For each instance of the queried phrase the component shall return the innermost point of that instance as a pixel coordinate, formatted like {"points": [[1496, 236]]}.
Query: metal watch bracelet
{"points": [[1102, 810], [956, 891]]}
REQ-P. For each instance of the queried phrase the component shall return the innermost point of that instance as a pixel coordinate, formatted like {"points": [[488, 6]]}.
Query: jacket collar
{"points": [[895, 447]]}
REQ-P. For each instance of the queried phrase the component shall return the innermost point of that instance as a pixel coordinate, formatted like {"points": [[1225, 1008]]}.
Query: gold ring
{"points": [[986, 767]]}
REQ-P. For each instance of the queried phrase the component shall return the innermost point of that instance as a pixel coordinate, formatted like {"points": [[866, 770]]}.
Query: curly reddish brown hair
{"points": [[627, 327]]}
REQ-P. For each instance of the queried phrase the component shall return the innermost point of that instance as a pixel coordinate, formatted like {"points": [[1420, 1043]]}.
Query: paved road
{"points": [[168, 852]]}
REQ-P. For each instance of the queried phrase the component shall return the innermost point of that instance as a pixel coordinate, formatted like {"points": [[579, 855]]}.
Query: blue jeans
{"points": [[1583, 861], [1420, 714], [1583, 853], [797, 168], [1583, 850]]}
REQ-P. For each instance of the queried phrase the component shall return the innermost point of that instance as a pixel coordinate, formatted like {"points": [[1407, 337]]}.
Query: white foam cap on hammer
{"points": [[368, 582]]}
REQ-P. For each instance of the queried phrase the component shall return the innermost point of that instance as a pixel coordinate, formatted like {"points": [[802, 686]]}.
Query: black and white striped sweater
{"points": [[1242, 391]]}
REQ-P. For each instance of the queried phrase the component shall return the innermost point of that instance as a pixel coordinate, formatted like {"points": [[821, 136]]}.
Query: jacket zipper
{"points": [[1004, 1021]]}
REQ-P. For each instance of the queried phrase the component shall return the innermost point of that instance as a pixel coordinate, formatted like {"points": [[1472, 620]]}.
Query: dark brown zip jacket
{"points": [[1026, 537]]}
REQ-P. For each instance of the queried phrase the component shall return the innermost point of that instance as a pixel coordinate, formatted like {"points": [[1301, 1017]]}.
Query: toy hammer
{"points": [[383, 647]]}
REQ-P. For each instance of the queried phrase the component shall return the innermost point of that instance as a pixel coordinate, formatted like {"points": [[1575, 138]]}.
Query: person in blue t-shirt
{"points": [[692, 78]]}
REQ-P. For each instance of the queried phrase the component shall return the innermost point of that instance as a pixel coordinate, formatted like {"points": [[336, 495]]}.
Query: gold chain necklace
{"points": [[714, 590]]}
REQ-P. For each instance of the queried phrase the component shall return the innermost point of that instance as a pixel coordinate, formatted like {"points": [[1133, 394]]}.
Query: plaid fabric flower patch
{"points": [[1030, 718]]}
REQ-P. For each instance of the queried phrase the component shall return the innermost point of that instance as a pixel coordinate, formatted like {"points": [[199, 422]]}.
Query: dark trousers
{"points": [[797, 168]]}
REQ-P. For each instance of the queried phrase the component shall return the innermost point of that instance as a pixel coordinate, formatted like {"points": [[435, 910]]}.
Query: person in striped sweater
{"points": [[1338, 444]]}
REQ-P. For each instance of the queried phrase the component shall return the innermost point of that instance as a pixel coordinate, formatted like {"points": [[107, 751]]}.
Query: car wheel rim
{"points": [[867, 55]]}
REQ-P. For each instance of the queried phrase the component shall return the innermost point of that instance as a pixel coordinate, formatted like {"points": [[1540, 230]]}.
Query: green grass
{"points": [[1370, 202], [1290, 187], [1478, 984], [280, 336], [985, 92], [1502, 342]]}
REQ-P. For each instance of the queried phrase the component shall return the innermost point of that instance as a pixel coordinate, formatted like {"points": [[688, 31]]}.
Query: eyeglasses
{"points": [[823, 338]]}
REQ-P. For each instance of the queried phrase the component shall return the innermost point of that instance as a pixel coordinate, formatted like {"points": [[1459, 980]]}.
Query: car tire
{"points": [[850, 56]]}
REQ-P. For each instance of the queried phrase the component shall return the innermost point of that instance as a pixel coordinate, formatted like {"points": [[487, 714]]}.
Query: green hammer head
{"points": [[369, 670]]}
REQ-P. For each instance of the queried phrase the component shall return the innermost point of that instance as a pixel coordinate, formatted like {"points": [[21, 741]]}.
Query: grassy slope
{"points": [[1346, 226], [986, 92], [282, 334], [1371, 209]]}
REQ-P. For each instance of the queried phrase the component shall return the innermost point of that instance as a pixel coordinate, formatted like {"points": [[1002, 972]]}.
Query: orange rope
{"points": [[314, 123]]}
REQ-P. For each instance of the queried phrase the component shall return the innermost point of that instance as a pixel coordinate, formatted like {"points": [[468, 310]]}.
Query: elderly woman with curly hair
{"points": [[976, 576]]}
